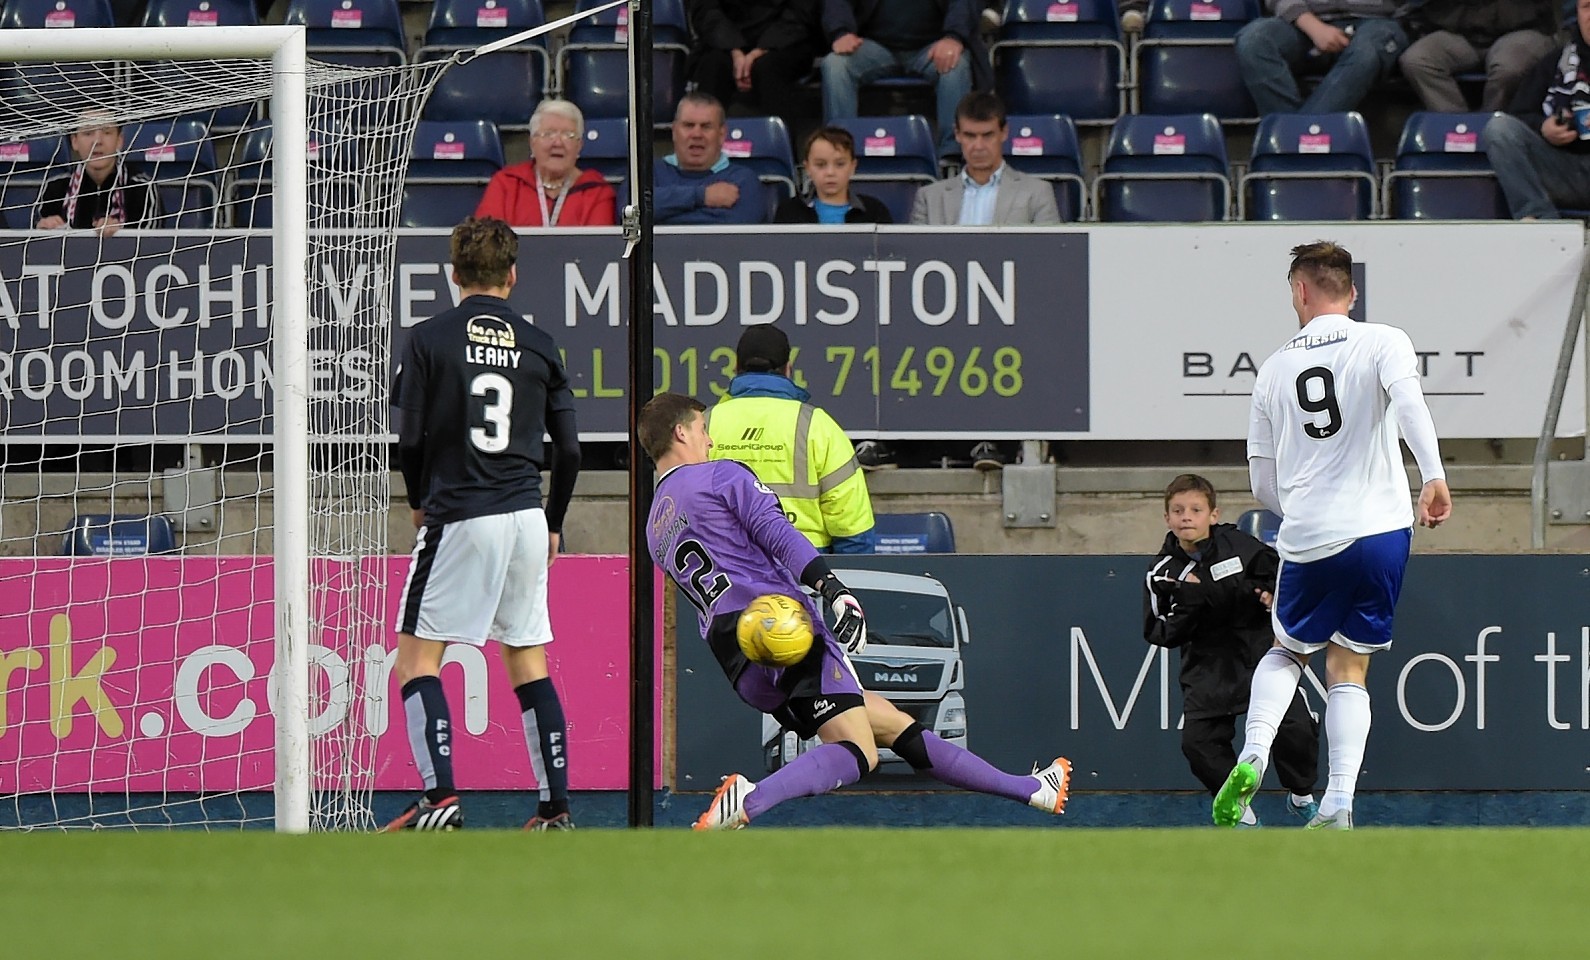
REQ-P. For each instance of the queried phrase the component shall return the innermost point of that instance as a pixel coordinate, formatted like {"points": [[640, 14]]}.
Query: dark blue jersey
{"points": [[476, 389]]}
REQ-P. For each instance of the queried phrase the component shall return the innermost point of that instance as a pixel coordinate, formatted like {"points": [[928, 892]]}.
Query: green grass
{"points": [[812, 894]]}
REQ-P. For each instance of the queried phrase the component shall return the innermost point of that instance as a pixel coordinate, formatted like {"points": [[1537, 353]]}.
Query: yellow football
{"points": [[775, 631]]}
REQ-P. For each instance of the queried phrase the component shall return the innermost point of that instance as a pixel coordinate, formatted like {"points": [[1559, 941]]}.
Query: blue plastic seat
{"points": [[200, 13], [56, 14], [895, 156], [248, 191], [1164, 169], [197, 13], [455, 150], [25, 165], [1310, 167], [1186, 61], [118, 535], [1045, 145], [762, 144], [472, 23], [449, 167], [180, 157], [593, 66], [1260, 524], [606, 148], [913, 533], [503, 86], [1062, 57], [362, 33], [1442, 172]]}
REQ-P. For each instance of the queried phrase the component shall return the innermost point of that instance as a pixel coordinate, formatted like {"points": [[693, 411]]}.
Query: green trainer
{"points": [[1235, 794]]}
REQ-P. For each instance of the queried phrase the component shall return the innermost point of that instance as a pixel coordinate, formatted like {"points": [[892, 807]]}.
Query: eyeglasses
{"points": [[568, 136]]}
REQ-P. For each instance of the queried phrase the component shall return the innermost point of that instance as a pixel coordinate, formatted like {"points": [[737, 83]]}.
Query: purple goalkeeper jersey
{"points": [[721, 535]]}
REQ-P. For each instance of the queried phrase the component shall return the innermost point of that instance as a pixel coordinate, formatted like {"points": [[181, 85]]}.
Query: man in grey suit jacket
{"points": [[986, 191]]}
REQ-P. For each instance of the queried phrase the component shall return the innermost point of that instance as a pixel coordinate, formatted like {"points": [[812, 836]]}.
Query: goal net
{"points": [[195, 319]]}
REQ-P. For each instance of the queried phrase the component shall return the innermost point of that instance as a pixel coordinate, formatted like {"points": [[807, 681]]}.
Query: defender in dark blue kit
{"points": [[475, 390]]}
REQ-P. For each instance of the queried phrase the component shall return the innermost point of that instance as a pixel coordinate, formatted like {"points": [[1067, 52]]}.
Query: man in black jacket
{"points": [[1208, 593], [1503, 38], [1541, 152], [759, 49]]}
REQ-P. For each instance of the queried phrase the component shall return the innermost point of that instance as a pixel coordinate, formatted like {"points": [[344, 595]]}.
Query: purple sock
{"points": [[962, 768], [822, 769]]}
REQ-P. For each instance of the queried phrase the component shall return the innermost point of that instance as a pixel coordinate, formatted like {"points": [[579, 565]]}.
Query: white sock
{"points": [[1346, 732], [1300, 799], [1274, 684]]}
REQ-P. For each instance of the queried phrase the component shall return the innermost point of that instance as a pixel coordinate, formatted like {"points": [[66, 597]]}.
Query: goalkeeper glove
{"points": [[850, 625]]}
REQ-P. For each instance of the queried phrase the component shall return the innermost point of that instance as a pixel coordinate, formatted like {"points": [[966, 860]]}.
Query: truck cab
{"points": [[914, 637]]}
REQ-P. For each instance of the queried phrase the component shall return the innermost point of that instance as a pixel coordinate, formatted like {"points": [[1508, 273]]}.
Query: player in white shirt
{"points": [[1323, 453]]}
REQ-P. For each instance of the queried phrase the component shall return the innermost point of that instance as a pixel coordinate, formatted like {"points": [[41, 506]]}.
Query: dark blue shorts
{"points": [[1347, 599]]}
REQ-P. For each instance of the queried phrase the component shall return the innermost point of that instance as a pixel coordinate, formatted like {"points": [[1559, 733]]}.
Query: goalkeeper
{"points": [[722, 537], [1209, 593]]}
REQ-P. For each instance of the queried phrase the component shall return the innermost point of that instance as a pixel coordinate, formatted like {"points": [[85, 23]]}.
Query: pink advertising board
{"points": [[152, 674]]}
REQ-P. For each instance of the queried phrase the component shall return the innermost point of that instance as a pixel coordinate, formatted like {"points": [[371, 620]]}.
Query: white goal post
{"points": [[284, 47]]}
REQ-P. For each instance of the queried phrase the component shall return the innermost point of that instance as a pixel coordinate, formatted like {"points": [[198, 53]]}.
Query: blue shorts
{"points": [[1347, 598]]}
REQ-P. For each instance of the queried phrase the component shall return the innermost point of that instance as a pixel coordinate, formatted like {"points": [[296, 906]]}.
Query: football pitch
{"points": [[808, 893]]}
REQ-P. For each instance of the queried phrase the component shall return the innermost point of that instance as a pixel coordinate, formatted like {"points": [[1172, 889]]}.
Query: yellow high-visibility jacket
{"points": [[799, 452]]}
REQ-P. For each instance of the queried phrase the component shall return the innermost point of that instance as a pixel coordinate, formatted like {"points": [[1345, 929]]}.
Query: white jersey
{"points": [[1321, 411]]}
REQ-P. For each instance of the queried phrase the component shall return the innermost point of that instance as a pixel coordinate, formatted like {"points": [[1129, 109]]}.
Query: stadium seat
{"points": [[196, 13], [593, 66], [1161, 169], [472, 23], [762, 144], [895, 157], [1441, 171], [55, 14], [606, 148], [1309, 167], [503, 86], [248, 193], [24, 167], [913, 533], [1046, 146], [362, 33], [1260, 524], [180, 157], [118, 535], [200, 13], [449, 167], [1186, 61], [1062, 56]]}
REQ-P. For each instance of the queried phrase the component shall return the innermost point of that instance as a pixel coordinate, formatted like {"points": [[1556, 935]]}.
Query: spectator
{"points": [[1504, 37], [1541, 152], [830, 161], [549, 189], [99, 194], [696, 184], [1209, 594], [987, 190], [1359, 37], [937, 40], [796, 449], [759, 49]]}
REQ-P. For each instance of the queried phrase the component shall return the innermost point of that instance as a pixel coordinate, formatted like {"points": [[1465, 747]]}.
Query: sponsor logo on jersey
{"points": [[490, 331]]}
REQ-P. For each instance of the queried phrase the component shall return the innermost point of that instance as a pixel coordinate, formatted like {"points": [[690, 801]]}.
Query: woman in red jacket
{"points": [[550, 190]]}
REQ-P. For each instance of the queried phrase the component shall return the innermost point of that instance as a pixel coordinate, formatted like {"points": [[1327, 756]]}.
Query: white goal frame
{"points": [[284, 46]]}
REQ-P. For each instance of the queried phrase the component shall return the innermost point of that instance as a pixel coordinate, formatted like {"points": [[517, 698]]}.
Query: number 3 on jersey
{"points": [[1321, 382], [494, 435]]}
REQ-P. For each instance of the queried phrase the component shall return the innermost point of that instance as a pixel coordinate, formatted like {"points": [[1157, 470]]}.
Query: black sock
{"points": [[547, 735], [430, 734]]}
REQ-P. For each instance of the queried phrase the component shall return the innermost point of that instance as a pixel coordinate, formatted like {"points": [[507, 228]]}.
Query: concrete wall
{"points": [[1097, 510]]}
